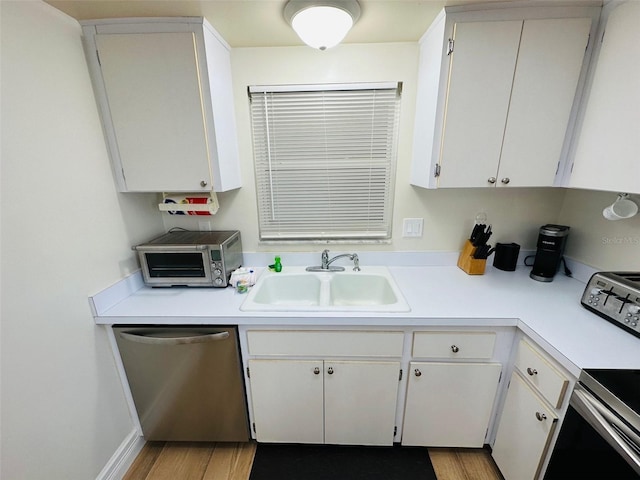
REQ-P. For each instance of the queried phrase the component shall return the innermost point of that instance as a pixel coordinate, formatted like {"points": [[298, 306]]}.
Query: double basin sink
{"points": [[372, 289]]}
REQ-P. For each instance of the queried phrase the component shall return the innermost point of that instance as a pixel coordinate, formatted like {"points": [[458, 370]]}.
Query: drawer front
{"points": [[550, 382], [453, 344], [325, 343]]}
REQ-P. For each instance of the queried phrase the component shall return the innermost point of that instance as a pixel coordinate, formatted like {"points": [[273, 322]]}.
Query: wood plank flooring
{"points": [[232, 461]]}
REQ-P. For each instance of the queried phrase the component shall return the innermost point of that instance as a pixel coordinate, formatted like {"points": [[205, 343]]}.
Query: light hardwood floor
{"points": [[232, 461]]}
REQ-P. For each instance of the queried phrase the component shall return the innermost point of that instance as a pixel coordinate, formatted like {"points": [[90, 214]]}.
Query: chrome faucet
{"points": [[326, 262]]}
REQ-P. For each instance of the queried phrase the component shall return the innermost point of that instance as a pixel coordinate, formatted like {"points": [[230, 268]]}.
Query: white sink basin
{"points": [[372, 289]]}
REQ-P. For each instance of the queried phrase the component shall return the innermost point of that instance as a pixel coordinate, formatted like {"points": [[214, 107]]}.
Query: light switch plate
{"points": [[412, 227]]}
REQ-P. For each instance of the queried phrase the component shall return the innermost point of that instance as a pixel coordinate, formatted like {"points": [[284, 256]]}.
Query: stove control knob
{"points": [[634, 309]]}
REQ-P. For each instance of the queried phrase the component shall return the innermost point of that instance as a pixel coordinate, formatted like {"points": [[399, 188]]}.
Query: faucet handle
{"points": [[356, 263], [325, 258]]}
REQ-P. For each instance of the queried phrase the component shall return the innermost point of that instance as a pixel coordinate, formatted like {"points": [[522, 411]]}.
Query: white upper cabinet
{"points": [[496, 95], [165, 94], [607, 155]]}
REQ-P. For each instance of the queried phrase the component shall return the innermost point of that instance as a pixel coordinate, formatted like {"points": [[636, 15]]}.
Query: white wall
{"points": [[66, 234], [603, 244], [516, 214]]}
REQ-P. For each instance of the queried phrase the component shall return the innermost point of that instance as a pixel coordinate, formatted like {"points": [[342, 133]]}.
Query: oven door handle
{"points": [[602, 420], [152, 339]]}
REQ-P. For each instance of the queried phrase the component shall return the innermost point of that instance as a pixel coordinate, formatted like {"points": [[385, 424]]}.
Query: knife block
{"points": [[470, 265]]}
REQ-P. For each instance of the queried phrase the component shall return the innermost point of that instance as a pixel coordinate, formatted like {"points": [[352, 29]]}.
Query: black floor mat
{"points": [[340, 462]]}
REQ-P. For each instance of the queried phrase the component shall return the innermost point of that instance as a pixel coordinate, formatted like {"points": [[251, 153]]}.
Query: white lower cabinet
{"points": [[534, 401], [524, 431], [449, 404], [323, 401], [360, 402], [287, 398]]}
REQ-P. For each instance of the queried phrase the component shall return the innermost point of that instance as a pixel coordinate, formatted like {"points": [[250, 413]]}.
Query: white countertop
{"points": [[550, 312]]}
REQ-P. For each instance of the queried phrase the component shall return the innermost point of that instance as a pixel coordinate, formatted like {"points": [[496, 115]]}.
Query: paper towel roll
{"points": [[190, 204]]}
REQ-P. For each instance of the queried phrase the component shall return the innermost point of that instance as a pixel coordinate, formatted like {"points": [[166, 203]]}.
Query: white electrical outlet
{"points": [[412, 227]]}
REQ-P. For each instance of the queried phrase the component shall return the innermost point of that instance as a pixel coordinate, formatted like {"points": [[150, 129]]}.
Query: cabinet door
{"points": [[449, 404], [153, 93], [360, 402], [525, 427], [606, 156], [480, 78], [544, 86], [287, 400]]}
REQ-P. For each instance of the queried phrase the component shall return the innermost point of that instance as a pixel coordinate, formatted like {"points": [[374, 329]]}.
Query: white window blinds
{"points": [[325, 160]]}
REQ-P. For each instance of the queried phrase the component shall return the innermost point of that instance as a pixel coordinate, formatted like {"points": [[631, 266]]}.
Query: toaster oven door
{"points": [[168, 268]]}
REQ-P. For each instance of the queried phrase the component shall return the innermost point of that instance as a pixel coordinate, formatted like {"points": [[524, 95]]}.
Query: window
{"points": [[325, 160]]}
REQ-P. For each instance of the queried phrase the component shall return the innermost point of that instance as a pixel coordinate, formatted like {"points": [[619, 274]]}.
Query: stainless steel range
{"points": [[615, 296], [601, 428]]}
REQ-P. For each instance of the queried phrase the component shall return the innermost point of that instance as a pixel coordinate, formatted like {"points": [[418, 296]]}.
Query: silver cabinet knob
{"points": [[505, 180], [455, 349], [316, 371], [491, 180], [417, 372], [203, 183], [330, 370], [541, 416], [532, 371]]}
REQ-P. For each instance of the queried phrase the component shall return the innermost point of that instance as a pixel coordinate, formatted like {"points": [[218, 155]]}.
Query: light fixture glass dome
{"points": [[322, 27], [322, 24]]}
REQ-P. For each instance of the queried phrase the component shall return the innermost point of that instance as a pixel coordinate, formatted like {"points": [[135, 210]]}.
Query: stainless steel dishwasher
{"points": [[186, 381]]}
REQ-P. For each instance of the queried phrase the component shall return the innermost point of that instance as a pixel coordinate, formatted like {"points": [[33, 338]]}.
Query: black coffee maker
{"points": [[551, 242]]}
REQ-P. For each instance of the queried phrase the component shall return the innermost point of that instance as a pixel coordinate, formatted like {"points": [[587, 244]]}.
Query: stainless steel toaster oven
{"points": [[193, 259]]}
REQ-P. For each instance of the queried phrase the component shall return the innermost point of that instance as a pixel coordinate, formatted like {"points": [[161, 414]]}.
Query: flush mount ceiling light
{"points": [[322, 24]]}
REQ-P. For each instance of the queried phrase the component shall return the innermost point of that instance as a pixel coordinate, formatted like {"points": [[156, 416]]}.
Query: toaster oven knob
{"points": [[634, 309], [217, 281], [217, 272]]}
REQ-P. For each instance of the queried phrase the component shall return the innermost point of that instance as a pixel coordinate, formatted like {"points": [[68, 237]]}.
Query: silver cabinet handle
{"points": [[417, 372], [151, 338], [316, 371], [491, 180], [532, 371], [455, 349], [541, 416], [330, 370], [505, 180]]}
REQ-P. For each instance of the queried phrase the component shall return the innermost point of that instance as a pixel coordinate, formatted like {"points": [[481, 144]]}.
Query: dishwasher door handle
{"points": [[150, 338]]}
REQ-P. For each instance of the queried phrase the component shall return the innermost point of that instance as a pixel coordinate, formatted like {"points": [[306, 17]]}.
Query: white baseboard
{"points": [[121, 460]]}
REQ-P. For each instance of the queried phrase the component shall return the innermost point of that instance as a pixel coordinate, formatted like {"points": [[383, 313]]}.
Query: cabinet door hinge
{"points": [[254, 427], [395, 430], [248, 373], [450, 46], [400, 377], [436, 172]]}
